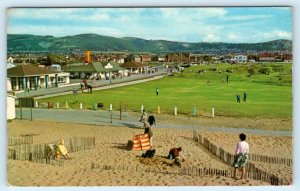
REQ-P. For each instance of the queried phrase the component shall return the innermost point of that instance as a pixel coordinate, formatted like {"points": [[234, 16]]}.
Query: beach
{"points": [[110, 163]]}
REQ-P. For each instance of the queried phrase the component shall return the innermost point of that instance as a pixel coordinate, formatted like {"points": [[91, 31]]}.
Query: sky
{"points": [[201, 24]]}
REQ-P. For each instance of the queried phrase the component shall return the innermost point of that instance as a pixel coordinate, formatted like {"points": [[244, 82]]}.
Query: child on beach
{"points": [[62, 150], [174, 154], [241, 156]]}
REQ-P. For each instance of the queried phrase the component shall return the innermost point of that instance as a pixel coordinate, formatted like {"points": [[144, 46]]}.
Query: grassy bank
{"points": [[268, 88]]}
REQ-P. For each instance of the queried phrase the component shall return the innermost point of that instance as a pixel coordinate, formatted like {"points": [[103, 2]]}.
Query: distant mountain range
{"points": [[94, 42]]}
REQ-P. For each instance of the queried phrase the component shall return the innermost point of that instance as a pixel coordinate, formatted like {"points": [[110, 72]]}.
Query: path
{"points": [[129, 119]]}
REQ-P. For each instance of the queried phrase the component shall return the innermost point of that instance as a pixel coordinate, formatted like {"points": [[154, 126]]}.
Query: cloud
{"points": [[247, 17], [58, 14], [176, 24], [276, 34]]}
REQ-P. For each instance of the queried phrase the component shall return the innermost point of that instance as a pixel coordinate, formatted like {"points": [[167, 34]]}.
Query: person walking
{"points": [[238, 98], [157, 91], [144, 116], [245, 97], [241, 156], [151, 120]]}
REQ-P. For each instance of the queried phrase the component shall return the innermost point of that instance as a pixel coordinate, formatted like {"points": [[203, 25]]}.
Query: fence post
{"points": [[194, 112], [57, 105], [158, 110], [213, 112], [110, 116], [95, 106], [110, 107], [175, 111], [120, 111], [20, 104], [67, 106], [142, 108], [36, 103], [31, 109], [80, 105]]}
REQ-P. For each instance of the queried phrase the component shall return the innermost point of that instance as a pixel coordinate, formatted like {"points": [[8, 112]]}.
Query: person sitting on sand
{"points": [[174, 154], [241, 156], [62, 150]]}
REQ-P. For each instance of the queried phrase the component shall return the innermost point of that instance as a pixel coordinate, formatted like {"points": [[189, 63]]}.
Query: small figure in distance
{"points": [[245, 97], [238, 98]]}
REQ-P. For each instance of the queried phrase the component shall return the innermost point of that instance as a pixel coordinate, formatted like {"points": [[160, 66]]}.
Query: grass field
{"points": [[269, 95]]}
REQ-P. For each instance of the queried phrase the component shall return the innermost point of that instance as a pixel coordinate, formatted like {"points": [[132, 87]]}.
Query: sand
{"points": [[85, 169]]}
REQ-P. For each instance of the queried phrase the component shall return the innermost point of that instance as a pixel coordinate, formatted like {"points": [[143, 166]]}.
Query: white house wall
{"points": [[11, 110]]}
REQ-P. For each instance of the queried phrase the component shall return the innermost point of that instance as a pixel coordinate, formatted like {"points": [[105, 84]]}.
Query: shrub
{"points": [[253, 70], [265, 70], [278, 68]]}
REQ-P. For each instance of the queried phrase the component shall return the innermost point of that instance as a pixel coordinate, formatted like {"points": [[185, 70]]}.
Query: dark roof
{"points": [[93, 67], [85, 68], [28, 70], [133, 64]]}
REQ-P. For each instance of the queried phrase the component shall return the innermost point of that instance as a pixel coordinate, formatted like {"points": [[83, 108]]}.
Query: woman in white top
{"points": [[241, 156]]}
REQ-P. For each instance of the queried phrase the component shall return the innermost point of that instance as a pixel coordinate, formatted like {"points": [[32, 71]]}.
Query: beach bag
{"points": [[129, 145], [149, 154]]}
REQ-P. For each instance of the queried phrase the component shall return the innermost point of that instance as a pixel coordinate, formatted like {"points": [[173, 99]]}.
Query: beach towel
{"points": [[141, 142]]}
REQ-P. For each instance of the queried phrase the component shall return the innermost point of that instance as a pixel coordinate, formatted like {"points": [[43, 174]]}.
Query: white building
{"points": [[10, 107], [240, 58], [31, 77]]}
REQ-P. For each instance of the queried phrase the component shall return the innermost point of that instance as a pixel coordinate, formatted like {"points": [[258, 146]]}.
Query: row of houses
{"points": [[31, 77], [188, 57]]}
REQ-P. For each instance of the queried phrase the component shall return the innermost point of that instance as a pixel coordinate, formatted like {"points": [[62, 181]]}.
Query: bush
{"points": [[265, 70], [278, 68], [253, 70]]}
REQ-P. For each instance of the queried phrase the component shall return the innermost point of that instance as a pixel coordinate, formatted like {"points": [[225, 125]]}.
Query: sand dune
{"points": [[85, 169]]}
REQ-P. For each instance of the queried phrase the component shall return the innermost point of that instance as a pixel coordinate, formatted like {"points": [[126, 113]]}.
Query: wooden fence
{"points": [[26, 139], [39, 152], [252, 157], [253, 172], [189, 171]]}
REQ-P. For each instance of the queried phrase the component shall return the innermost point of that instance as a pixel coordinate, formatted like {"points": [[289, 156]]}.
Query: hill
{"points": [[94, 42]]}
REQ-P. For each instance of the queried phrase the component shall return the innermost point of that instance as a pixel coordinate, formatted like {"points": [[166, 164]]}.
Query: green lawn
{"points": [[268, 95]]}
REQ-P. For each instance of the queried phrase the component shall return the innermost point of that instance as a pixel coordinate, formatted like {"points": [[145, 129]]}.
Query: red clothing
{"points": [[175, 152]]}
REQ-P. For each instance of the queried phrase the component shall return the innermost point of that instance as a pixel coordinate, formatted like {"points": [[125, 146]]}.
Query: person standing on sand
{"points": [[151, 120], [148, 131], [241, 156]]}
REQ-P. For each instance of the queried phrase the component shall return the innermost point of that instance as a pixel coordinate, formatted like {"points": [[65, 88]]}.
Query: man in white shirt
{"points": [[241, 156]]}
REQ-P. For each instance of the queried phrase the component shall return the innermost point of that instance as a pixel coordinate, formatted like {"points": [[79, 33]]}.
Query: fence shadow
{"points": [[130, 125], [121, 146]]}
